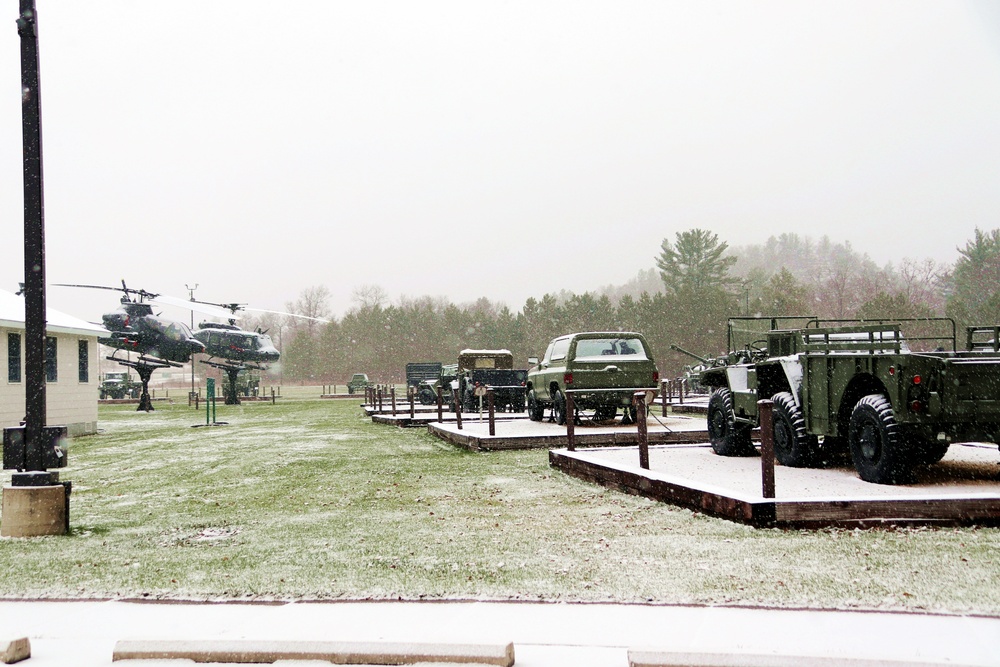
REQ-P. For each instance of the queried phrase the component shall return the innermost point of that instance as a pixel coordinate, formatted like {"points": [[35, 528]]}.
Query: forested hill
{"points": [[697, 283]]}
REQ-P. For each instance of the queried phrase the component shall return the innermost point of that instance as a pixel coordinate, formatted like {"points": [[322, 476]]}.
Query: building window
{"points": [[51, 360], [84, 361], [13, 357]]}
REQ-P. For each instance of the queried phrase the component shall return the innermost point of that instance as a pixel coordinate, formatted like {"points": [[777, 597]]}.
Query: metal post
{"points": [[191, 296], [458, 409], [663, 397], [34, 238], [440, 405], [489, 402], [209, 393], [380, 399], [410, 393], [765, 408], [639, 400], [392, 395], [570, 423], [680, 391]]}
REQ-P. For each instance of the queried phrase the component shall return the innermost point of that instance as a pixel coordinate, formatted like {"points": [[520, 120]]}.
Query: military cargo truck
{"points": [[117, 385], [859, 386]]}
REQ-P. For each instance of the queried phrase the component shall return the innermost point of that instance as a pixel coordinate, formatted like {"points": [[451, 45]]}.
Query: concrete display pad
{"points": [[666, 659], [338, 653], [964, 488], [525, 434]]}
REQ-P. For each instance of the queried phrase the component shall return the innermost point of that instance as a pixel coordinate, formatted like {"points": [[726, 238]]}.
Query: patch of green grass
{"points": [[309, 499]]}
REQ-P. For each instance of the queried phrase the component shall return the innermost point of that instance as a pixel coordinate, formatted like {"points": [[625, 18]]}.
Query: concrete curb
{"points": [[674, 659], [339, 653], [14, 650]]}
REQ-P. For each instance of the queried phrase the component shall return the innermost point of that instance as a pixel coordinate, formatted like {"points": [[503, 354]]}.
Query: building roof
{"points": [[12, 317]]}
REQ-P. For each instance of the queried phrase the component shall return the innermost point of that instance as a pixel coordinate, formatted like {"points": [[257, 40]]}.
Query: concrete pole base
{"points": [[32, 511]]}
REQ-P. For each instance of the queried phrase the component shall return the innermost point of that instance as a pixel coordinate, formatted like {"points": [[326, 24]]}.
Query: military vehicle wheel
{"points": [[559, 407], [877, 447], [605, 413], [536, 411], [727, 438], [426, 396], [793, 447]]}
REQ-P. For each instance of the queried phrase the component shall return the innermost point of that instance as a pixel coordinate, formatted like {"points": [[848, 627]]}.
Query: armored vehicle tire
{"points": [[559, 407], [605, 412], [793, 447], [536, 411], [727, 438], [877, 447]]}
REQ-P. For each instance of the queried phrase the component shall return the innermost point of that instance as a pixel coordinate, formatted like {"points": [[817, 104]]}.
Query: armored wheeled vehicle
{"points": [[839, 386]]}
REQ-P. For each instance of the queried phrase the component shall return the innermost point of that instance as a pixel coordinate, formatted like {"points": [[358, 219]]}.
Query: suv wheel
{"points": [[536, 411], [559, 407]]}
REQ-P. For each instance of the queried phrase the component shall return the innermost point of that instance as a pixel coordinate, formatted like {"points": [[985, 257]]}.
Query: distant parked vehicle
{"points": [[422, 378], [359, 381], [118, 384], [490, 369], [603, 369]]}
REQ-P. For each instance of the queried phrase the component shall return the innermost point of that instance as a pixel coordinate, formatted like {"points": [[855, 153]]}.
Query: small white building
{"points": [[72, 377]]}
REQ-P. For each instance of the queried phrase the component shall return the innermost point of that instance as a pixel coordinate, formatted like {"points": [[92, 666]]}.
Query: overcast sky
{"points": [[497, 149]]}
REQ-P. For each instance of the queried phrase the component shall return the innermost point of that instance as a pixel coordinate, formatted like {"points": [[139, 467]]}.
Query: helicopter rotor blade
{"points": [[197, 306], [280, 312]]}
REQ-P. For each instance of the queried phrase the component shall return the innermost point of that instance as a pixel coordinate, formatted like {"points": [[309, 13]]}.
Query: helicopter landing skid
{"points": [[232, 372], [144, 366]]}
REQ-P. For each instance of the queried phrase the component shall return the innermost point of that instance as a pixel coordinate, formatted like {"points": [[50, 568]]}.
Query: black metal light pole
{"points": [[34, 237]]}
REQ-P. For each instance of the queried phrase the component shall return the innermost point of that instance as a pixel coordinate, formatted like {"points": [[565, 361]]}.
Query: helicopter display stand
{"points": [[144, 366], [232, 372]]}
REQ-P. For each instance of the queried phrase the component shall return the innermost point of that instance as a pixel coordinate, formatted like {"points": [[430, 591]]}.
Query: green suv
{"points": [[602, 369]]}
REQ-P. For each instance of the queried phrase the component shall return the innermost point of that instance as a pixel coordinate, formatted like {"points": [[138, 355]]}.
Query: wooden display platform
{"points": [[522, 433], [963, 489]]}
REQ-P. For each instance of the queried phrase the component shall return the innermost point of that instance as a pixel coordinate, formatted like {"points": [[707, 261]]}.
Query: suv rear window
{"points": [[610, 347]]}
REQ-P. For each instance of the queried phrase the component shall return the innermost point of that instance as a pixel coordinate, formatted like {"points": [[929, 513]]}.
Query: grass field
{"points": [[309, 499]]}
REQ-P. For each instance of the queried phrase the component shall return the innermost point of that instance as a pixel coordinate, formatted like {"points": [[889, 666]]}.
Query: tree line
{"points": [[698, 283]]}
